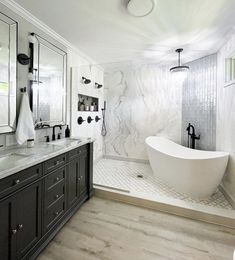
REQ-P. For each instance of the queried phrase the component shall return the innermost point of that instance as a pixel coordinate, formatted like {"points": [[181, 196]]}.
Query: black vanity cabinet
{"points": [[35, 203], [20, 220], [77, 182], [8, 226]]}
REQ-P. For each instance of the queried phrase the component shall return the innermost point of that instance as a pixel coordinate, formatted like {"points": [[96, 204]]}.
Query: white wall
{"points": [[141, 102], [225, 134]]}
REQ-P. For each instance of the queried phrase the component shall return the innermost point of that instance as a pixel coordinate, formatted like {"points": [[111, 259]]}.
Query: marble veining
{"points": [[141, 101], [109, 230], [123, 175]]}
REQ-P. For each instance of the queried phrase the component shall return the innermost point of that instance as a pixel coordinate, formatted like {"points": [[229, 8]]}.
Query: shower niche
{"points": [[88, 103]]}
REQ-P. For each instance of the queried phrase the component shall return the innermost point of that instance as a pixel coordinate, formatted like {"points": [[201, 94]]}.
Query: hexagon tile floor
{"points": [[123, 175]]}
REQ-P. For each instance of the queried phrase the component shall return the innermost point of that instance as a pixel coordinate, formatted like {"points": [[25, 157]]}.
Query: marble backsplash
{"points": [[141, 102]]}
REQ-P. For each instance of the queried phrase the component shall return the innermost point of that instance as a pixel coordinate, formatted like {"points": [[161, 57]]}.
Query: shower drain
{"points": [[140, 176]]}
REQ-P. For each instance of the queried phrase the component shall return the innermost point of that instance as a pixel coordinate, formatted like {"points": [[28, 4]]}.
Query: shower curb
{"points": [[220, 217]]}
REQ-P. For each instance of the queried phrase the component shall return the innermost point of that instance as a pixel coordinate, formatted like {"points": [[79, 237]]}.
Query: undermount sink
{"points": [[66, 141], [11, 159]]}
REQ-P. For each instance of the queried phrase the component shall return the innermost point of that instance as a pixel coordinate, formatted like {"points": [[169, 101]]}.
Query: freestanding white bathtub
{"points": [[192, 172]]}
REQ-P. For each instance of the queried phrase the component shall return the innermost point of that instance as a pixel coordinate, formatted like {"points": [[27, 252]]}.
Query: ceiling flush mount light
{"points": [[140, 8], [179, 68]]}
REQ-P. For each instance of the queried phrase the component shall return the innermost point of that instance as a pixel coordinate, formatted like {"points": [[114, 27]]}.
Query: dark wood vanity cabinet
{"points": [[77, 178], [32, 213], [20, 220]]}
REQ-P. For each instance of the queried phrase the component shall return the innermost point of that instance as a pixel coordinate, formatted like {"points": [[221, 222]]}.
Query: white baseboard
{"points": [[120, 158], [229, 197]]}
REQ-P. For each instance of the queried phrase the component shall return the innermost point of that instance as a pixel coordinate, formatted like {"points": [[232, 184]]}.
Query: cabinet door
{"points": [[83, 172], [8, 229], [28, 204], [73, 190]]}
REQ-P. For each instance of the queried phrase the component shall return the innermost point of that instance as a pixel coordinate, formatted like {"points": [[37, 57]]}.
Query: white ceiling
{"points": [[105, 31]]}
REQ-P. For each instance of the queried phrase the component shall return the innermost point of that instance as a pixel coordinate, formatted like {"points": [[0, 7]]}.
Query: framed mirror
{"points": [[8, 59], [48, 83]]}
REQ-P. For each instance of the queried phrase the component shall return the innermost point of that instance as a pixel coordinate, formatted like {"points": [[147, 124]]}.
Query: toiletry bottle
{"points": [[67, 131]]}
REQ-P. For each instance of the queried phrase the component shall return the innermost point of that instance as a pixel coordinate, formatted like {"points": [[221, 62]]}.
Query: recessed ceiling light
{"points": [[140, 8]]}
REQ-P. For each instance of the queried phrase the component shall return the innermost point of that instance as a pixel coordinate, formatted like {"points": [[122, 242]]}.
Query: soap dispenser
{"points": [[67, 131]]}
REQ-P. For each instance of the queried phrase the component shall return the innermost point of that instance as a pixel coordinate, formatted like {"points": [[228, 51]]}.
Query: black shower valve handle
{"points": [[80, 120], [89, 119], [97, 119]]}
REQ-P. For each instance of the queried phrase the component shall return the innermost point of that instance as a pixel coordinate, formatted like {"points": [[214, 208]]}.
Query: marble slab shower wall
{"points": [[199, 102], [141, 102]]}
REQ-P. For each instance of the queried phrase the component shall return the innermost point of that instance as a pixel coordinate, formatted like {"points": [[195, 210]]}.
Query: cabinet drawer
{"points": [[55, 163], [74, 153], [54, 212], [19, 180], [55, 194], [54, 178]]}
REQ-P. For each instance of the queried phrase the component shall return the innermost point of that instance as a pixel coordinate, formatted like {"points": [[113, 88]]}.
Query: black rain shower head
{"points": [[97, 85], [85, 80]]}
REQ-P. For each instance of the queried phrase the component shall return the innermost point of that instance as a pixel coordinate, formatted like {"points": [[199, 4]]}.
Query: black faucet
{"points": [[192, 135], [53, 131]]}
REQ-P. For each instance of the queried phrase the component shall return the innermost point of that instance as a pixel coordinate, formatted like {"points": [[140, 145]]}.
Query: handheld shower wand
{"points": [[104, 130]]}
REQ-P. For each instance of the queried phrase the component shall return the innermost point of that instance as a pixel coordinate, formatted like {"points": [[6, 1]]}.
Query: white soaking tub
{"points": [[192, 172]]}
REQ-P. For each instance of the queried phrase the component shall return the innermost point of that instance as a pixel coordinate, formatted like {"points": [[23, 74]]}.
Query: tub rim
{"points": [[213, 154]]}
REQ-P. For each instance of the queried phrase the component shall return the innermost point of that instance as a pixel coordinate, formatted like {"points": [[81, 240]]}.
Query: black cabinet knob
{"points": [[89, 119], [80, 120], [20, 226], [13, 231], [16, 182]]}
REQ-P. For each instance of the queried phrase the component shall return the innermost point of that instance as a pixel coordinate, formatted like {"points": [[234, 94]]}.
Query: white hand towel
{"points": [[25, 127]]}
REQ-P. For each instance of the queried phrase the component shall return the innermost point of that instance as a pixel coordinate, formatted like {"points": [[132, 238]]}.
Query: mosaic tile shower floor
{"points": [[123, 175]]}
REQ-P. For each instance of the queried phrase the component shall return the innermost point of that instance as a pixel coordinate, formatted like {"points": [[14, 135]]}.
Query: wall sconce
{"points": [[23, 59], [32, 38], [85, 80], [97, 85]]}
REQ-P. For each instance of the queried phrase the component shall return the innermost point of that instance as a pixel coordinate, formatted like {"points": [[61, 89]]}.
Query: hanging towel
{"points": [[25, 127]]}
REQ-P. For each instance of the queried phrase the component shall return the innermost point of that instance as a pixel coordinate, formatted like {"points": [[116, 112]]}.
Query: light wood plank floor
{"points": [[104, 229]]}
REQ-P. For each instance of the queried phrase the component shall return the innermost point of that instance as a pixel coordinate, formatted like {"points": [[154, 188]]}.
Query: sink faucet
{"points": [[53, 131], [192, 135]]}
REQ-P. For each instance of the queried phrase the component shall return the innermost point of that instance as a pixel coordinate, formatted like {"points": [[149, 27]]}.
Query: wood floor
{"points": [[104, 229]]}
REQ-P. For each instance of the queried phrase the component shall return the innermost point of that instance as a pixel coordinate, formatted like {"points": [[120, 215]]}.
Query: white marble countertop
{"points": [[17, 158]]}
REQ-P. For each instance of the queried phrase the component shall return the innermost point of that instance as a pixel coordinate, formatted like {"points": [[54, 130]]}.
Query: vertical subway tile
{"points": [[199, 102]]}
